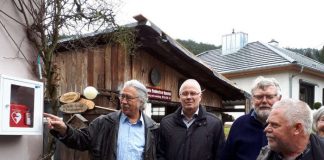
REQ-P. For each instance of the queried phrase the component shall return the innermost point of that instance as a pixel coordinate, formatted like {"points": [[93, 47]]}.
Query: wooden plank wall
{"points": [[169, 77], [144, 62], [72, 66], [108, 67], [86, 67]]}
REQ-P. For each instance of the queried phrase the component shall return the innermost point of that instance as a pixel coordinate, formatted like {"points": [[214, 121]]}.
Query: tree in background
{"points": [[197, 48], [312, 53], [47, 21], [320, 55]]}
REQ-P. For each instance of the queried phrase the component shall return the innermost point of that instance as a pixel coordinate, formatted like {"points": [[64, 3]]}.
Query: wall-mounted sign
{"points": [[74, 107], [159, 94]]}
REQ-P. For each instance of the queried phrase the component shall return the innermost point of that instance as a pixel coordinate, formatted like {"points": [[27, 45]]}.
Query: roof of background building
{"points": [[257, 55]]}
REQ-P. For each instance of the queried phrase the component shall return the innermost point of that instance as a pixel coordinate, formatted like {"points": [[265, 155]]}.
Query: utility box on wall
{"points": [[21, 106]]}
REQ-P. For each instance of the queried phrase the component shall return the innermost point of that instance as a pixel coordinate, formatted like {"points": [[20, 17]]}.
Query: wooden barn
{"points": [[159, 62]]}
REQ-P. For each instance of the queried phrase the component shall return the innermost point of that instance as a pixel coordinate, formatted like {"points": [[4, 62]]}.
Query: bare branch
{"points": [[1, 11], [18, 46]]}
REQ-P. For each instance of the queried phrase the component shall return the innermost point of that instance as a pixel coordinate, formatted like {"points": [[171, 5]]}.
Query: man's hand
{"points": [[56, 123]]}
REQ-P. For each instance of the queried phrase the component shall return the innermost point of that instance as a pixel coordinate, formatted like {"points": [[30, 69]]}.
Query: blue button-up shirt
{"points": [[187, 121], [131, 139]]}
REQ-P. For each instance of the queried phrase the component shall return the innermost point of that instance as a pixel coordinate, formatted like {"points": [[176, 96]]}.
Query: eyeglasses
{"points": [[192, 94], [261, 97], [126, 97]]}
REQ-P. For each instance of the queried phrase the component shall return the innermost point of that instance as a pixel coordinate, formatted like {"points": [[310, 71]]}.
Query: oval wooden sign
{"points": [[75, 107], [70, 97]]}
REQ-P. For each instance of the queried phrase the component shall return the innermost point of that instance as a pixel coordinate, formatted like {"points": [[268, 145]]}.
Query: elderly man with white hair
{"points": [[289, 133], [123, 135], [190, 133]]}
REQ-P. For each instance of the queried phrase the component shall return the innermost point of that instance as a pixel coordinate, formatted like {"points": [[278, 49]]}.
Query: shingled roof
{"points": [[168, 50], [257, 55]]}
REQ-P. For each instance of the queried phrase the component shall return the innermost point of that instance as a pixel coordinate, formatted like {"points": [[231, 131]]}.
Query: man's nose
{"points": [[264, 99], [267, 129], [123, 100]]}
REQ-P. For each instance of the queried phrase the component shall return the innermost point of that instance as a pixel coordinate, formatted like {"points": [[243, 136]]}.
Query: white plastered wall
{"points": [[13, 63]]}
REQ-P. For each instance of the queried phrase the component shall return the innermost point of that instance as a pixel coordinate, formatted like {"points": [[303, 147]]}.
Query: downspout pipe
{"points": [[291, 79]]}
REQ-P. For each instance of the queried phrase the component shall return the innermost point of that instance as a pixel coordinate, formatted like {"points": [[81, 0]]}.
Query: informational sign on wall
{"points": [[159, 94]]}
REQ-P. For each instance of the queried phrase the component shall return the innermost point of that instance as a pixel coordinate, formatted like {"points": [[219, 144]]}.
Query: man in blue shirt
{"points": [[131, 140], [127, 134], [246, 137]]}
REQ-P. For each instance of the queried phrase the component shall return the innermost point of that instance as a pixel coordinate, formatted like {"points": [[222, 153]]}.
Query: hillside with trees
{"points": [[315, 54], [197, 48]]}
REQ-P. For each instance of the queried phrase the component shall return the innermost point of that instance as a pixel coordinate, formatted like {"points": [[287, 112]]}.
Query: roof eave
{"points": [[187, 63]]}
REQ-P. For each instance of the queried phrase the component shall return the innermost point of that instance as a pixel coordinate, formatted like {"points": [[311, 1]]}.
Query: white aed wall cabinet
{"points": [[21, 103]]}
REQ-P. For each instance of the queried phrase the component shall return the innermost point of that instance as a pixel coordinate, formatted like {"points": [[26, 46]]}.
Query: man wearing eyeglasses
{"points": [[190, 133], [127, 134], [246, 137]]}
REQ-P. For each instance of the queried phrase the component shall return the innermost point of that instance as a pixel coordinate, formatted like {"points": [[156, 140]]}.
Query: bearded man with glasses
{"points": [[246, 136], [123, 135], [190, 133]]}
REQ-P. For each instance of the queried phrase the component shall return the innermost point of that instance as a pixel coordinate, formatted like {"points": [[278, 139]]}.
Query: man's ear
{"points": [[280, 97], [141, 103], [299, 128]]}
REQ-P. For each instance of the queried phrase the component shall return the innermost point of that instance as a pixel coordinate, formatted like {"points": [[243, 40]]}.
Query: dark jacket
{"points": [[317, 151], [203, 140], [245, 139], [100, 137]]}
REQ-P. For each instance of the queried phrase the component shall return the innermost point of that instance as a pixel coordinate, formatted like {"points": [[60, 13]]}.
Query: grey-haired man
{"points": [[289, 133], [122, 135], [246, 137]]}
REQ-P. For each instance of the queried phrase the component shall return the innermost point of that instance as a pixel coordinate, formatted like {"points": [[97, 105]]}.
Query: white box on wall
{"points": [[21, 110]]}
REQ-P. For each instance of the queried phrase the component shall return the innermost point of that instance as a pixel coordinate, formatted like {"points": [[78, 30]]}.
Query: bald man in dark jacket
{"points": [[190, 133]]}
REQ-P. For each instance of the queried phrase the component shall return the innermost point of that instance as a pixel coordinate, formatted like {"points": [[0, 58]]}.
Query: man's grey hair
{"points": [[262, 83], [296, 111], [191, 82], [141, 91], [316, 116]]}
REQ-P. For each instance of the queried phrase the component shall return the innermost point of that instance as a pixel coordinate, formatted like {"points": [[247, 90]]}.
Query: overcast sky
{"points": [[293, 23]]}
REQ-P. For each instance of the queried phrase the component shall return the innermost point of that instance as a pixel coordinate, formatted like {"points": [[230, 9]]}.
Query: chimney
{"points": [[233, 42], [274, 43]]}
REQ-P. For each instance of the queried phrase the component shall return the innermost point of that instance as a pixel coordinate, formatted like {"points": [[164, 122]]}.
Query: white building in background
{"points": [[18, 63], [233, 42], [299, 76]]}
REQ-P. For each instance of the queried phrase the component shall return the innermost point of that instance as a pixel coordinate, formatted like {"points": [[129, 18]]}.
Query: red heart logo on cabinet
{"points": [[16, 116]]}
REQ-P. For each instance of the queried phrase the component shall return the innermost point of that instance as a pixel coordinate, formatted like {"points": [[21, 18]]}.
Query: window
{"points": [[306, 93], [158, 112]]}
